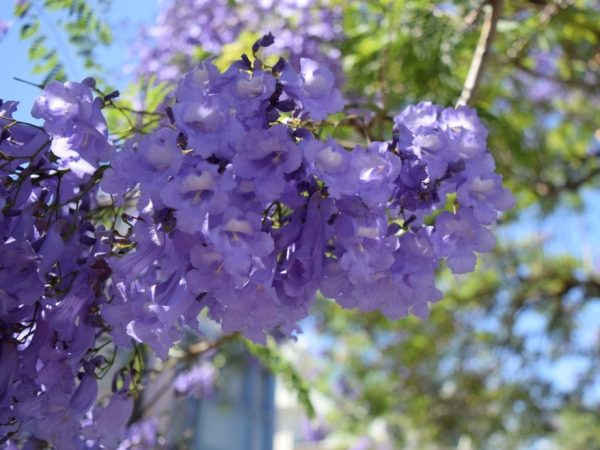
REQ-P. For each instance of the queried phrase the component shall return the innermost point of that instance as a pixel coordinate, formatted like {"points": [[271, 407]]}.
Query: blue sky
{"points": [[566, 230], [125, 18]]}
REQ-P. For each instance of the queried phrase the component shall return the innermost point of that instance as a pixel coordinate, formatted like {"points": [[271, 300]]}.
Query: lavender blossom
{"points": [[197, 381], [234, 208]]}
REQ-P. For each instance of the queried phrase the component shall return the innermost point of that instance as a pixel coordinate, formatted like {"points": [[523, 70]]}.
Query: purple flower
{"points": [[314, 88], [377, 171], [266, 157], [231, 213], [465, 130], [197, 381], [150, 316], [85, 395], [301, 29], [241, 241], [415, 264], [363, 247], [304, 240], [208, 274], [458, 236], [4, 27], [20, 283], [151, 161], [434, 150], [74, 119], [63, 316], [332, 164], [8, 360], [143, 435], [203, 113], [110, 422], [417, 117], [62, 105], [249, 95], [197, 193], [255, 313], [315, 430], [486, 196]]}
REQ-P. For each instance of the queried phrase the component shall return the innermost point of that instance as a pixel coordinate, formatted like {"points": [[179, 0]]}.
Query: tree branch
{"points": [[488, 31]]}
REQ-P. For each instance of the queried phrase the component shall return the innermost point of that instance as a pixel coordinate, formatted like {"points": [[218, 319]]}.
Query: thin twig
{"points": [[471, 18], [203, 346], [21, 80], [488, 32]]}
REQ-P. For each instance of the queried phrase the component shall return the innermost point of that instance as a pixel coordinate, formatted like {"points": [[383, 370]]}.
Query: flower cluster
{"points": [[52, 271], [232, 206], [243, 211], [304, 29]]}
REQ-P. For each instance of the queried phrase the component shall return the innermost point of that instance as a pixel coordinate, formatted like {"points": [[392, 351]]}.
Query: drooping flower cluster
{"points": [[247, 213], [233, 206], [52, 269]]}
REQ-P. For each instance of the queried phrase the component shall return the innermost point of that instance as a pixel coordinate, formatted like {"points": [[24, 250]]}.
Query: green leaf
{"points": [[38, 48], [28, 30], [55, 5], [22, 8], [104, 33]]}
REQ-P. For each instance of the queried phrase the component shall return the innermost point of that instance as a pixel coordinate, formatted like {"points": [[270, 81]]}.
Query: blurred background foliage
{"points": [[482, 372], [510, 358], [52, 25]]}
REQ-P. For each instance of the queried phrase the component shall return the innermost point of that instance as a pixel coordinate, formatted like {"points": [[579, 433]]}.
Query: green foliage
{"points": [[471, 371], [136, 110], [54, 28], [578, 430], [401, 52], [270, 356], [474, 374]]}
